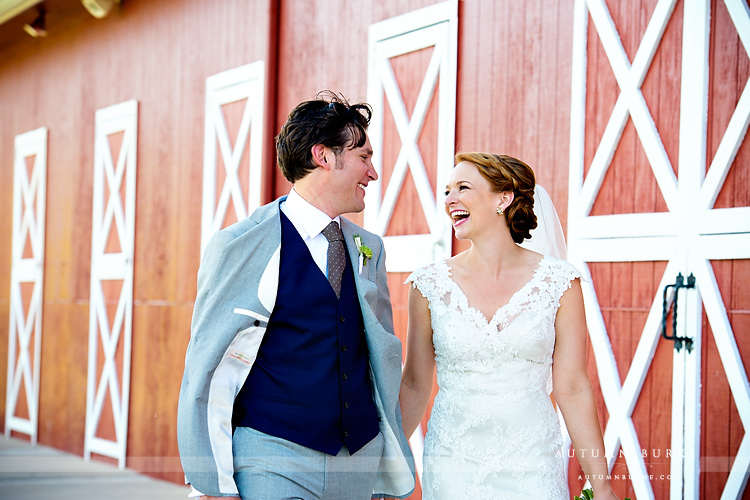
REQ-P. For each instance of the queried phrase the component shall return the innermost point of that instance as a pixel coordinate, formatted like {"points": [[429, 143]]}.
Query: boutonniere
{"points": [[363, 251]]}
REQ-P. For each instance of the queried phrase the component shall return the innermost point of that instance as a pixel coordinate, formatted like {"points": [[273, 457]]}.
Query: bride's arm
{"points": [[416, 380], [573, 392]]}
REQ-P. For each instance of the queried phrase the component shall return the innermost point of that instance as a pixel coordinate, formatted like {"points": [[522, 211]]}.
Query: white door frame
{"points": [[117, 214], [242, 83], [29, 216]]}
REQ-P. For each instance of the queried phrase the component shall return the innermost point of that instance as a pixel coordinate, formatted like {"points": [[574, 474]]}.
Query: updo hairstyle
{"points": [[506, 173]]}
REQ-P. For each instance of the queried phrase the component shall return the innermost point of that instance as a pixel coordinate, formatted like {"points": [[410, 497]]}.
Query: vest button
{"points": [[346, 434], [342, 319], [346, 404], [345, 376], [343, 348]]}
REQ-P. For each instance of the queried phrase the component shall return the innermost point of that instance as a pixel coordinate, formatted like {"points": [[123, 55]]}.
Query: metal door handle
{"points": [[678, 341]]}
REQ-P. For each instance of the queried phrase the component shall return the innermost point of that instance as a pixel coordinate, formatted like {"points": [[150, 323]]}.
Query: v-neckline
{"points": [[512, 298]]}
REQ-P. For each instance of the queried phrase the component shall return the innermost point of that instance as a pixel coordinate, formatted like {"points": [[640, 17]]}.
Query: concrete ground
{"points": [[39, 473]]}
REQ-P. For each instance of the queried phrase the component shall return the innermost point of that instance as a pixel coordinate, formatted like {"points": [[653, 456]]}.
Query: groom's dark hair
{"points": [[328, 120]]}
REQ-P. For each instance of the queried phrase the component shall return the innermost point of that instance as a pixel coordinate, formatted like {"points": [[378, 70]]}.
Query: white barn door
{"points": [[26, 280], [227, 162], [688, 236], [433, 28], [111, 302]]}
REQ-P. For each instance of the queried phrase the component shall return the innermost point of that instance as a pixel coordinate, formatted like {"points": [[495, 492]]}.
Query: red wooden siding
{"points": [[514, 67], [159, 53]]}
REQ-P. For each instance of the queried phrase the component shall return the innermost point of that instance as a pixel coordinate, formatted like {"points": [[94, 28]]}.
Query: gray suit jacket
{"points": [[237, 285]]}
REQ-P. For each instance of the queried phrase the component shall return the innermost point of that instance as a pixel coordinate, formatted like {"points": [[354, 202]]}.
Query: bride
{"points": [[502, 324]]}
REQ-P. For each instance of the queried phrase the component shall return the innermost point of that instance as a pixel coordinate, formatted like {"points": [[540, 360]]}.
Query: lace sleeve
{"points": [[423, 280], [431, 282], [569, 271], [418, 280], [565, 273]]}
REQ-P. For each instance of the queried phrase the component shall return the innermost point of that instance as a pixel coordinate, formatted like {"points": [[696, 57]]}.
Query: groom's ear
{"points": [[322, 156]]}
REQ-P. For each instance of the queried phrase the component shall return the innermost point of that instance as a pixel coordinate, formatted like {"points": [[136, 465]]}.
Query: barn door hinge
{"points": [[677, 285]]}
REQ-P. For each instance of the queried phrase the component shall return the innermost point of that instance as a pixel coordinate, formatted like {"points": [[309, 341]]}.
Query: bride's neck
{"points": [[493, 256]]}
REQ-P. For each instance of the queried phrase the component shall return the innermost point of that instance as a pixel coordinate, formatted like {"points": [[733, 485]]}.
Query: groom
{"points": [[292, 373]]}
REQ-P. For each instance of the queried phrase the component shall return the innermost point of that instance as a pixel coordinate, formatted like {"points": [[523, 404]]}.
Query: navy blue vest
{"points": [[310, 383]]}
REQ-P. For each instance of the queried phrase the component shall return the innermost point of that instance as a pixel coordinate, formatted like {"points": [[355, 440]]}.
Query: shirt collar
{"points": [[308, 219]]}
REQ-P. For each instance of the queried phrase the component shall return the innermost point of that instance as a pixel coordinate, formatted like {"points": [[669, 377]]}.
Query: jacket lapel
{"points": [[349, 230], [269, 224]]}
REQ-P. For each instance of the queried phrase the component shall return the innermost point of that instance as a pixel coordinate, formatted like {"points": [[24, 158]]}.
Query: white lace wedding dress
{"points": [[494, 433]]}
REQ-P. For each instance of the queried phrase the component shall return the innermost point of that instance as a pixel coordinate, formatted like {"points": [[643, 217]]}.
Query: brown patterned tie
{"points": [[336, 255]]}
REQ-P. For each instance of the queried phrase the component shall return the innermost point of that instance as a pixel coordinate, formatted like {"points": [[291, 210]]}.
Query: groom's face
{"points": [[352, 172]]}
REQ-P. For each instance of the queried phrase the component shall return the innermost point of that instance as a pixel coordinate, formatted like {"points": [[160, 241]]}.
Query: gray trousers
{"points": [[272, 468]]}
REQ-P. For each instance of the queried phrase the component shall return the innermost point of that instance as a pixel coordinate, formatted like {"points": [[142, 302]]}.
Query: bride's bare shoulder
{"points": [[457, 262]]}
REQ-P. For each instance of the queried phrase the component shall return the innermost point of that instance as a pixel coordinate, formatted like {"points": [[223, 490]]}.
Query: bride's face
{"points": [[470, 202]]}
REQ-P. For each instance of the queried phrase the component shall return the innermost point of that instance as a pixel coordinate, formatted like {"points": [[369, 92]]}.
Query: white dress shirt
{"points": [[309, 222]]}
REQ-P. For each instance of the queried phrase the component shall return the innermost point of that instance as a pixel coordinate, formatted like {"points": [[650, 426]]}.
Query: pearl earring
{"points": [[499, 210]]}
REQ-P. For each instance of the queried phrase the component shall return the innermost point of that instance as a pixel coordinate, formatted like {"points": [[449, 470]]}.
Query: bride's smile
{"points": [[470, 201]]}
